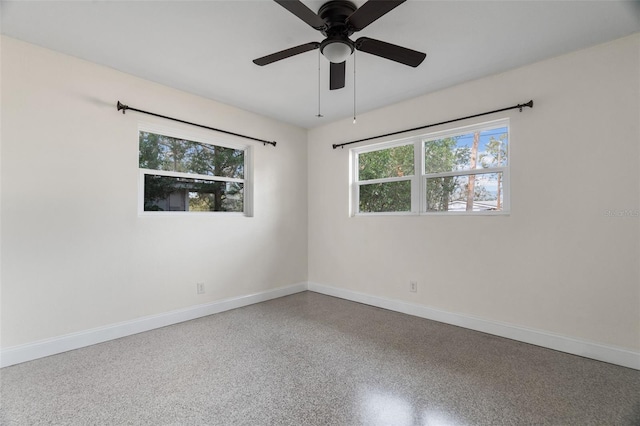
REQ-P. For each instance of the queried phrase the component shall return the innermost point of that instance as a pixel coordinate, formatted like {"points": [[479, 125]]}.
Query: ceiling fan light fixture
{"points": [[336, 51]]}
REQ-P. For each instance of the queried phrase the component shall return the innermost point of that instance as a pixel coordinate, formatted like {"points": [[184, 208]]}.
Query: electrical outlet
{"points": [[413, 286], [200, 288]]}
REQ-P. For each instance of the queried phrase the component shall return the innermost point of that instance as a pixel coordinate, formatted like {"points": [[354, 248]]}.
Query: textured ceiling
{"points": [[206, 47]]}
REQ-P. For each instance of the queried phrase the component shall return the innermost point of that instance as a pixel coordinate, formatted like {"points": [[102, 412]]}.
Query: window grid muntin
{"points": [[189, 175]]}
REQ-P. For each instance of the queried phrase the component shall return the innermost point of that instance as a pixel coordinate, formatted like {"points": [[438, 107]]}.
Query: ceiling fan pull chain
{"points": [[319, 114], [354, 87]]}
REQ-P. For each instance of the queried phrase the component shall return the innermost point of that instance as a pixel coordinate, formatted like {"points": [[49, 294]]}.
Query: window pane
{"points": [[481, 192], [160, 152], [385, 197], [386, 163], [477, 150], [165, 193]]}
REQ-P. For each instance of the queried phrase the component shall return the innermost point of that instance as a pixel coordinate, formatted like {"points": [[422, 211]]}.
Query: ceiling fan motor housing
{"points": [[335, 14]]}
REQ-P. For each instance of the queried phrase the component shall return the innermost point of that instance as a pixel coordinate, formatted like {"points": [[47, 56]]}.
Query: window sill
{"points": [[501, 213]]}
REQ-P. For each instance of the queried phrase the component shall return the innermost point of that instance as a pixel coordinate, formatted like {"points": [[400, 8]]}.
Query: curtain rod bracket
{"points": [[122, 107]]}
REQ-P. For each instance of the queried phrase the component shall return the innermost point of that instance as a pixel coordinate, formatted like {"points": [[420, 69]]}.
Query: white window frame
{"points": [[356, 183], [419, 177], [200, 137]]}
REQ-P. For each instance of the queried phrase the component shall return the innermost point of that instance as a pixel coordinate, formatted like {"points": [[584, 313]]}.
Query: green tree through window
{"points": [[183, 175], [384, 196], [457, 172]]}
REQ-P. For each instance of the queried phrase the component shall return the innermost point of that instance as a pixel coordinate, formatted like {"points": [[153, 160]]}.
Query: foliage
{"points": [[386, 163], [496, 153], [443, 155], [386, 197]]}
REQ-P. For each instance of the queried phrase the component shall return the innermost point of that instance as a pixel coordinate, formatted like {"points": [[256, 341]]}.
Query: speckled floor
{"points": [[310, 359]]}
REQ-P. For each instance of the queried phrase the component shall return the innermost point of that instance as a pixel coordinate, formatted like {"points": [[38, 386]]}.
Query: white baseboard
{"points": [[22, 353], [610, 354]]}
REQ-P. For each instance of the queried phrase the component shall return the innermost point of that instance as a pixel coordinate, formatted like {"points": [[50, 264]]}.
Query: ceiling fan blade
{"points": [[370, 11], [287, 53], [400, 54], [336, 75], [303, 12]]}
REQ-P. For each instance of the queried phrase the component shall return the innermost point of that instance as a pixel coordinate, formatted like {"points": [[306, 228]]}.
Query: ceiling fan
{"points": [[337, 20]]}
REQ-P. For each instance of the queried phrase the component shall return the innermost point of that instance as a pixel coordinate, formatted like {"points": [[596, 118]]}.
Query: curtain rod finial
{"points": [[528, 104], [122, 107]]}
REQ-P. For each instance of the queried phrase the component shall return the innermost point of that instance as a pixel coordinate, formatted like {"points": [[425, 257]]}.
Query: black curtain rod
{"points": [[124, 108], [519, 106]]}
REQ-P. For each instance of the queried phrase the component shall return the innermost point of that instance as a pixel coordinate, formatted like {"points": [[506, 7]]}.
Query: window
{"points": [[184, 175], [459, 171], [386, 176]]}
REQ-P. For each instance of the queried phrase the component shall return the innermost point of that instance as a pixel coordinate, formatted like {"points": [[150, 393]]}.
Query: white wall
{"points": [[557, 263], [75, 253], [76, 256]]}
